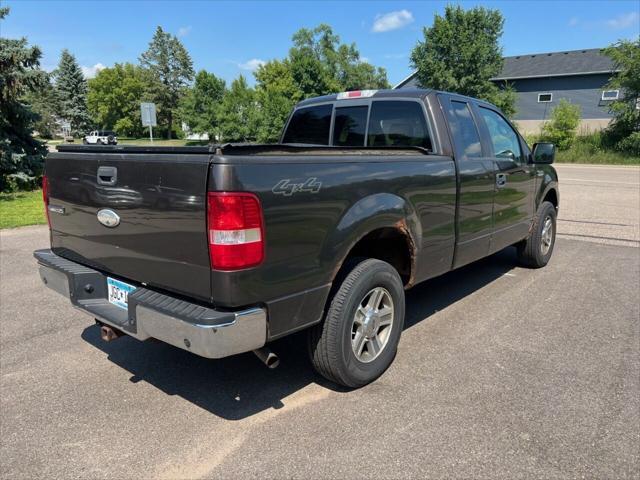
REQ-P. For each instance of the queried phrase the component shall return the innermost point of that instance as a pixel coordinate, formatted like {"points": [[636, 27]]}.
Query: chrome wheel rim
{"points": [[547, 235], [372, 324]]}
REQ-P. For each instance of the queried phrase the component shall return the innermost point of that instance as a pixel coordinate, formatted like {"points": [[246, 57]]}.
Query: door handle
{"points": [[107, 176], [501, 180]]}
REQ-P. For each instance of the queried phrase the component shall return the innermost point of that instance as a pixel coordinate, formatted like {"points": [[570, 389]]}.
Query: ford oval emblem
{"points": [[108, 218]]}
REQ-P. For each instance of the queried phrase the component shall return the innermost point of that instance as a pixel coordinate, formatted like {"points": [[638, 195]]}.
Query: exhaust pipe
{"points": [[269, 358], [108, 334]]}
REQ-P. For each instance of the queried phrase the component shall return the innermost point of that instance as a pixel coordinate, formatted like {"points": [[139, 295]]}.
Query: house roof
{"points": [[552, 64], [556, 64]]}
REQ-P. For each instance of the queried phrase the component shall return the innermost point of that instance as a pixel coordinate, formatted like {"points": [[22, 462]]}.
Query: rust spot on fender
{"points": [[413, 250]]}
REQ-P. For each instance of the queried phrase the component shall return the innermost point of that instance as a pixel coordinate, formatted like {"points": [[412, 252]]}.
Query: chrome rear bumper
{"points": [[198, 329]]}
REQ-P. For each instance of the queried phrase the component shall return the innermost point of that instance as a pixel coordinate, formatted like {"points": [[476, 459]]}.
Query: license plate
{"points": [[119, 292]]}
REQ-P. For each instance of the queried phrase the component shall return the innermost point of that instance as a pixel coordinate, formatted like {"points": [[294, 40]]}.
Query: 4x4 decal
{"points": [[284, 187]]}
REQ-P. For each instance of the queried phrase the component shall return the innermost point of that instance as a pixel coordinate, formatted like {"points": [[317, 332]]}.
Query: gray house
{"points": [[542, 79]]}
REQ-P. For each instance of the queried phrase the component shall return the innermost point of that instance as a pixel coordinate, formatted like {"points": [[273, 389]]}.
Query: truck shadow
{"points": [[241, 386]]}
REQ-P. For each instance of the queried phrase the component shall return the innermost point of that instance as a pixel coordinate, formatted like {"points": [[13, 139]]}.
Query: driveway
{"points": [[502, 372]]}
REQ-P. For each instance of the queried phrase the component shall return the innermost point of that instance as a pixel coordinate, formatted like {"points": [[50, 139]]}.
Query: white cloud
{"points": [[365, 60], [623, 21], [574, 21], [252, 64], [392, 21], [184, 31], [90, 72]]}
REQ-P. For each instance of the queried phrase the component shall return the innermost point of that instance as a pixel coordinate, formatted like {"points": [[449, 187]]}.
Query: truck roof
{"points": [[405, 93], [402, 93]]}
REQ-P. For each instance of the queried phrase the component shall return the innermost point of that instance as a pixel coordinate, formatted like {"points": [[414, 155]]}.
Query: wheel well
{"points": [[387, 244], [552, 197]]}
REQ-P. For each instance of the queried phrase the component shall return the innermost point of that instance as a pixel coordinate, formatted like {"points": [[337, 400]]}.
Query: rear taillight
{"points": [[235, 230], [45, 197]]}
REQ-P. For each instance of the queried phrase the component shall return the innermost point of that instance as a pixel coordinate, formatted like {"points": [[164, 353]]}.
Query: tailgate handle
{"points": [[107, 175]]}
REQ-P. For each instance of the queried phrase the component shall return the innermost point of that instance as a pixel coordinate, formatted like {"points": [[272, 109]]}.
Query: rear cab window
{"points": [[310, 125], [350, 125], [379, 123]]}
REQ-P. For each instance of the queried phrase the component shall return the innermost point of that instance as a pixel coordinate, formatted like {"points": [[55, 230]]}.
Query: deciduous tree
{"points": [[115, 95], [276, 93], [460, 53], [624, 131], [238, 113], [200, 106]]}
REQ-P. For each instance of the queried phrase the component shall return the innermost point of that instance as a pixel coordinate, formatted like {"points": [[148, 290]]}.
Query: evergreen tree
{"points": [[21, 156], [172, 70], [42, 101], [71, 94]]}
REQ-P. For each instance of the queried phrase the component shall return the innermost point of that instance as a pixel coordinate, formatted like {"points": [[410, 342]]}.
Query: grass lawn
{"points": [[160, 142], [21, 208], [600, 158]]}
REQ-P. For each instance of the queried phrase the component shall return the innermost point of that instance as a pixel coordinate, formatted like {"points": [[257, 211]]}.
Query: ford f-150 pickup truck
{"points": [[222, 249]]}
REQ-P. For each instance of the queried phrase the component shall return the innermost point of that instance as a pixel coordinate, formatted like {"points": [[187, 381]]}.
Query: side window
{"points": [[504, 139], [398, 123], [349, 126], [309, 125], [464, 130]]}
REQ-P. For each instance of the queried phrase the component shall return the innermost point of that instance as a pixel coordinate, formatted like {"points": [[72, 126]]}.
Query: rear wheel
{"points": [[536, 250], [358, 339]]}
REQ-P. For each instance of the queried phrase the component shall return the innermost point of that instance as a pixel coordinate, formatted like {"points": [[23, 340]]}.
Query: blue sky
{"points": [[231, 38]]}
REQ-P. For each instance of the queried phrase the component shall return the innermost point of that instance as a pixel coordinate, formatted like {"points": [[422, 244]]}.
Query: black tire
{"points": [[330, 342], [532, 252], [111, 140], [98, 142], [84, 141]]}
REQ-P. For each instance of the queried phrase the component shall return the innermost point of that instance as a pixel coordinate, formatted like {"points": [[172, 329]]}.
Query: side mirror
{"points": [[544, 153]]}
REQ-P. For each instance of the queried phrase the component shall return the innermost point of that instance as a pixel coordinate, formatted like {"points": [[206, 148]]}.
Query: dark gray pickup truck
{"points": [[220, 250]]}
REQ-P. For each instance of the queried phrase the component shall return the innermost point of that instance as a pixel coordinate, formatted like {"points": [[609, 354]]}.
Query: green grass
{"points": [[159, 142], [589, 149], [577, 154], [21, 208]]}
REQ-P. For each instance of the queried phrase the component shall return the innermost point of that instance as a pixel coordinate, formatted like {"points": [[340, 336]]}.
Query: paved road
{"points": [[502, 372], [600, 204]]}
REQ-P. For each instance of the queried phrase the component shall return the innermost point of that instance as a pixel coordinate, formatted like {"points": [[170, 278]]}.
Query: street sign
{"points": [[148, 114]]}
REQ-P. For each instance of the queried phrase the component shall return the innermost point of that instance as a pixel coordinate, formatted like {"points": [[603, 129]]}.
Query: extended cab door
{"points": [[514, 179], [476, 172]]}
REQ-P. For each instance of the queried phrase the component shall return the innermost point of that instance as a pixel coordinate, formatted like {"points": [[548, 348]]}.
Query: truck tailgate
{"points": [[161, 202]]}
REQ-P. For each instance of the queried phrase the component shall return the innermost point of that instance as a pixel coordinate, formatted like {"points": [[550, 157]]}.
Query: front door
{"points": [[514, 180]]}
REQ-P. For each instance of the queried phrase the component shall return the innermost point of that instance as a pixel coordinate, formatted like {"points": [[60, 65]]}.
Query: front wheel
{"points": [[536, 250], [358, 339]]}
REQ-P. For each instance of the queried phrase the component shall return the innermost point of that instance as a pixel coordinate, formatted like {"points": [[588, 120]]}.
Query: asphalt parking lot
{"points": [[502, 372]]}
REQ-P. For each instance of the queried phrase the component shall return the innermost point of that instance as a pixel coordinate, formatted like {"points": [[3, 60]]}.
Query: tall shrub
{"points": [[563, 124]]}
